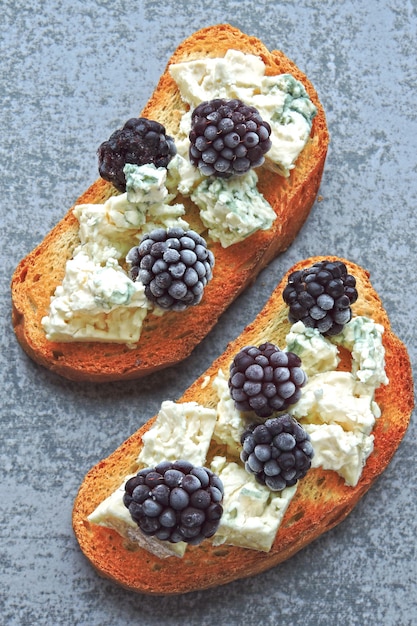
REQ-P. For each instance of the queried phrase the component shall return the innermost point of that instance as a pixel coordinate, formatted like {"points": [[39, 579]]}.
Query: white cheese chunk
{"points": [[317, 353], [230, 423], [336, 398], [364, 339], [345, 452], [181, 431], [252, 513], [232, 209], [96, 302]]}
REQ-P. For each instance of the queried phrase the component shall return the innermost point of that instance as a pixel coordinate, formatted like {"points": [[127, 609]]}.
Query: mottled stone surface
{"points": [[70, 73]]}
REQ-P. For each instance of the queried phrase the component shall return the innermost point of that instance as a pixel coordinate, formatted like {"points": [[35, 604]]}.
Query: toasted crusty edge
{"points": [[322, 499], [38, 274]]}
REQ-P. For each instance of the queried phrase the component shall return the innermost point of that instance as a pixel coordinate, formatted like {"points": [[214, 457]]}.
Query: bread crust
{"points": [[38, 274], [322, 499]]}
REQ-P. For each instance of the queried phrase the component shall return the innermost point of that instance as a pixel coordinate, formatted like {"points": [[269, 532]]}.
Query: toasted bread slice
{"points": [[37, 276], [322, 499]]}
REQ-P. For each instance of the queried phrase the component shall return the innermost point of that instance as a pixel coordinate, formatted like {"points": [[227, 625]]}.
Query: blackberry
{"points": [[174, 265], [227, 137], [140, 141], [320, 296], [278, 452], [265, 379], [175, 501]]}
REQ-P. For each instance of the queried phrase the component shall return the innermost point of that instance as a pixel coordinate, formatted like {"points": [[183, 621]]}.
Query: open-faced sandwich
{"points": [[271, 447], [194, 198]]}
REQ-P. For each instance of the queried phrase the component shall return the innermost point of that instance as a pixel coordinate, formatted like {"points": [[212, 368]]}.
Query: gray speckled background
{"points": [[72, 72]]}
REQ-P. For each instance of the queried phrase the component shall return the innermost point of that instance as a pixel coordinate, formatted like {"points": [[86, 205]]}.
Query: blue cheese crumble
{"points": [[232, 209], [97, 300], [281, 100]]}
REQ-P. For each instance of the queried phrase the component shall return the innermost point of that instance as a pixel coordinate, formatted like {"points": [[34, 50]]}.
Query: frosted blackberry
{"points": [[320, 296], [140, 141], [174, 265], [265, 379], [227, 138], [278, 452], [175, 501]]}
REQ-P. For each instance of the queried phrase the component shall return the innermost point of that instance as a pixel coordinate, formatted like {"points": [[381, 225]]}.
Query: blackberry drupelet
{"points": [[265, 379], [174, 265], [227, 137], [320, 296], [140, 141], [278, 452], [175, 501]]}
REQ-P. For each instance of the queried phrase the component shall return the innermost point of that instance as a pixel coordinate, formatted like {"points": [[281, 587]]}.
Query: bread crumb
{"points": [[205, 382]]}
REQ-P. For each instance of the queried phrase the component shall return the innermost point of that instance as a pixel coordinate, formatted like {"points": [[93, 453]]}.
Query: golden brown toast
{"points": [[40, 272], [322, 499]]}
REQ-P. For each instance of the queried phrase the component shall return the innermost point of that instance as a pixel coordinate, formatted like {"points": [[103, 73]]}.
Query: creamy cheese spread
{"points": [[337, 409]]}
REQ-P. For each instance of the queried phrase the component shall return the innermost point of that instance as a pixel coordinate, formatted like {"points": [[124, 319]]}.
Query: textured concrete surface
{"points": [[72, 72]]}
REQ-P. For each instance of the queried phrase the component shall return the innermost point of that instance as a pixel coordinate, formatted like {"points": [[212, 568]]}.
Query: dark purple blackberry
{"points": [[320, 296], [227, 137], [278, 452], [140, 141], [175, 501], [265, 379], [174, 265]]}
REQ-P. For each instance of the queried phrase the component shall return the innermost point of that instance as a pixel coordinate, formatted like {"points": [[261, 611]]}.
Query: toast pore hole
{"points": [[156, 567], [221, 553], [296, 518]]}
